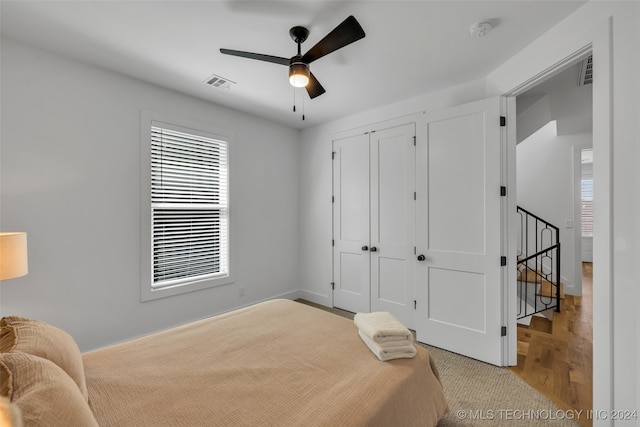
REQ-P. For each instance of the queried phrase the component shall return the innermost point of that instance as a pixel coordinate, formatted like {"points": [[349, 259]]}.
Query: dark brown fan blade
{"points": [[258, 56], [314, 88], [346, 33]]}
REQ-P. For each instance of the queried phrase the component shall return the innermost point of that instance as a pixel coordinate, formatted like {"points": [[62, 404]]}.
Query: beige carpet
{"points": [[480, 394]]}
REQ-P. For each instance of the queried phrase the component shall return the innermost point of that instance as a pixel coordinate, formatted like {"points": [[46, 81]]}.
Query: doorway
{"points": [[554, 137]]}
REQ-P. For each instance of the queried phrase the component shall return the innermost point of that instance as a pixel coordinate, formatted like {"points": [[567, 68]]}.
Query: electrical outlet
{"points": [[241, 291]]}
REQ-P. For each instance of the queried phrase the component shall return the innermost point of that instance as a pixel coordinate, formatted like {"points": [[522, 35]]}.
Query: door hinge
{"points": [[333, 285], [414, 140], [503, 331], [415, 304], [415, 250], [333, 242], [414, 195], [503, 191], [333, 155], [333, 199], [503, 121], [503, 261]]}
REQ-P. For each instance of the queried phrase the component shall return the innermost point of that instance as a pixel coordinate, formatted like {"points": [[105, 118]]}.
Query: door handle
{"points": [[365, 248], [421, 257], [373, 249]]}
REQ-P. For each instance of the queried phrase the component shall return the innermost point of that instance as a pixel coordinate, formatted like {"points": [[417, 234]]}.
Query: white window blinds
{"points": [[189, 206], [587, 206]]}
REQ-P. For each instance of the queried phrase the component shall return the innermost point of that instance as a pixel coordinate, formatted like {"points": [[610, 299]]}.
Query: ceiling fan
{"points": [[344, 34]]}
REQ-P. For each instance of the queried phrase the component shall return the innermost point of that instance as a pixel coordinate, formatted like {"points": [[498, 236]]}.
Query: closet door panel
{"points": [[393, 221], [456, 184], [351, 223]]}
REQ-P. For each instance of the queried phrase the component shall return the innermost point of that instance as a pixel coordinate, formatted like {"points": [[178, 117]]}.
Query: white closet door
{"points": [[393, 222], [459, 288], [351, 225]]}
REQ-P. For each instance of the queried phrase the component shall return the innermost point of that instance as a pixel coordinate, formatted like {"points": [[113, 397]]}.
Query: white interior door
{"points": [[392, 153], [351, 261], [459, 281]]}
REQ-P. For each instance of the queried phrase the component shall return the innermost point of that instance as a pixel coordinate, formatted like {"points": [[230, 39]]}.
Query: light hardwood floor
{"points": [[556, 358]]}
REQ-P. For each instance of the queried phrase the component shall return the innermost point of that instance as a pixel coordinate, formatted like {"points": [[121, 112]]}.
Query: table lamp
{"points": [[13, 255]]}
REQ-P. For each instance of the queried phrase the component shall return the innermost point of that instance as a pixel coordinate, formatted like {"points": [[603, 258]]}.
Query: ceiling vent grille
{"points": [[219, 82], [586, 72]]}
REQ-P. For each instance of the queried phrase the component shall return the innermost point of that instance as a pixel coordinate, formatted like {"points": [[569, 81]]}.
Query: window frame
{"points": [[147, 291]]}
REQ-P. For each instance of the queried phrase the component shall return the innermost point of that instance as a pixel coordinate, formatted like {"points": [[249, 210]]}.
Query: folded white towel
{"points": [[406, 351], [392, 345], [382, 326]]}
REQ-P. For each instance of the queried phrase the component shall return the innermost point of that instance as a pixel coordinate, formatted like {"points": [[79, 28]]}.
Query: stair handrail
{"points": [[544, 251], [520, 208]]}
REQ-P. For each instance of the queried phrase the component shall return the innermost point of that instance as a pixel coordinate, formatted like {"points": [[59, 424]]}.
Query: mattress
{"points": [[276, 363]]}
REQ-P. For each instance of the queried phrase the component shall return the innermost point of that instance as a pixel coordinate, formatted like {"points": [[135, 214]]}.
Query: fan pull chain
{"points": [[294, 103]]}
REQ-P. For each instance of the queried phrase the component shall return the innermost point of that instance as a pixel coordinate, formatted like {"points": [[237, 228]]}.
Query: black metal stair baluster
{"points": [[558, 278], [535, 273]]}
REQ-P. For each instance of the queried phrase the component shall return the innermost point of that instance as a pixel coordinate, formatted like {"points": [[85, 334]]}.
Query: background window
{"points": [[586, 202]]}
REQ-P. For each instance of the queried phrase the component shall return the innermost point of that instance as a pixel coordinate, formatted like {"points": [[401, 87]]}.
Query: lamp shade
{"points": [[8, 413], [13, 255]]}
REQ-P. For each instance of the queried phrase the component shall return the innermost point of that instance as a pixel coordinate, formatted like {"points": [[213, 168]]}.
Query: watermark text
{"points": [[545, 414]]}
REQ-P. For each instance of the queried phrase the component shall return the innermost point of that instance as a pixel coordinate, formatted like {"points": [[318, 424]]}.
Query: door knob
{"points": [[373, 249], [421, 257], [365, 248]]}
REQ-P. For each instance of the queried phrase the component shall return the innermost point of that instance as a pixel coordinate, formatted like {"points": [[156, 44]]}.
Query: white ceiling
{"points": [[410, 48]]}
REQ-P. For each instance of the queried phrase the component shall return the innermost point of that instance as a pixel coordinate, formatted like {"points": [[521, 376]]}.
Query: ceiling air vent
{"points": [[219, 82], [586, 71]]}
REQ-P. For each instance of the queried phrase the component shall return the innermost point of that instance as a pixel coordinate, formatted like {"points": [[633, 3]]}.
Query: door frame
{"points": [[599, 42]]}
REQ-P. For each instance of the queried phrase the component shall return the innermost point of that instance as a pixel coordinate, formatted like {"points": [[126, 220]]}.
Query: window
{"points": [[188, 210], [586, 202]]}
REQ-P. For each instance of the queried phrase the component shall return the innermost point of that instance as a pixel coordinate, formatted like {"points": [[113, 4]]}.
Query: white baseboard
{"points": [[315, 297]]}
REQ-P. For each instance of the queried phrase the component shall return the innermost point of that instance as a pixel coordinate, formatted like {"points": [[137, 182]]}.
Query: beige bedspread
{"points": [[277, 363]]}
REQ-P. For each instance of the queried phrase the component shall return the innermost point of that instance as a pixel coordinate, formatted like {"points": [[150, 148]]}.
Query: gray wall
{"points": [[70, 178]]}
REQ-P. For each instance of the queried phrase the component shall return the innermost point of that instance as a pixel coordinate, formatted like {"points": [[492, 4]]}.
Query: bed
{"points": [[276, 363]]}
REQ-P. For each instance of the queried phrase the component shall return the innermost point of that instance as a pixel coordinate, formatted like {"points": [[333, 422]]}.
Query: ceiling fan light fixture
{"points": [[299, 74], [347, 32]]}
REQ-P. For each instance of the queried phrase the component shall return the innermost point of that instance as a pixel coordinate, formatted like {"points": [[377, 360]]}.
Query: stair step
{"points": [[546, 287], [541, 324], [526, 321], [529, 275], [547, 290]]}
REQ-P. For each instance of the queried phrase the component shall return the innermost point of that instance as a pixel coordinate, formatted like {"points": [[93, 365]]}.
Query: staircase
{"points": [[539, 288]]}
